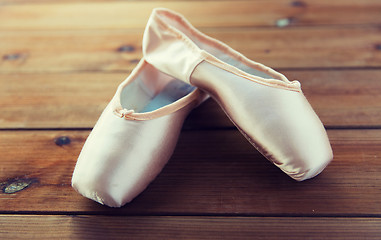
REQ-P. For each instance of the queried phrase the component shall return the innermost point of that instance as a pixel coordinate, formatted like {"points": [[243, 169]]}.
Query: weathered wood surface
{"points": [[48, 100], [211, 172], [60, 63], [147, 227], [134, 14], [119, 50]]}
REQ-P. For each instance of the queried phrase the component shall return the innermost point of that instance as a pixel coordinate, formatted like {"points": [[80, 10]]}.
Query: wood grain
{"points": [[119, 50], [134, 227], [55, 100], [211, 172], [134, 14], [60, 63], [75, 100]]}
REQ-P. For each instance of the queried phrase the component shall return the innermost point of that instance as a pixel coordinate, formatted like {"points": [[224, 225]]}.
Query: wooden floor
{"points": [[61, 61]]}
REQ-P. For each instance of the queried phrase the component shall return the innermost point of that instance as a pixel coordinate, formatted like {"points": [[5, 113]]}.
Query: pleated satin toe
{"points": [[134, 137], [269, 110]]}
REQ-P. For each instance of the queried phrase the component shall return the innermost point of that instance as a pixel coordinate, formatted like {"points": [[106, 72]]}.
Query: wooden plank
{"points": [[135, 227], [211, 172], [134, 14], [343, 98], [118, 50], [55, 100], [72, 100]]}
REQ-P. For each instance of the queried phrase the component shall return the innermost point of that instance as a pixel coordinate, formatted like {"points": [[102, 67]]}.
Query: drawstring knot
{"points": [[124, 112]]}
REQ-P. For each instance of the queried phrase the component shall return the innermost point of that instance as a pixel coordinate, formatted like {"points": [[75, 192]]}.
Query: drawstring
{"points": [[124, 112]]}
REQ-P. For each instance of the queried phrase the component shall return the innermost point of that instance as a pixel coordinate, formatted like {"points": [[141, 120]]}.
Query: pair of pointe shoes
{"points": [[137, 132]]}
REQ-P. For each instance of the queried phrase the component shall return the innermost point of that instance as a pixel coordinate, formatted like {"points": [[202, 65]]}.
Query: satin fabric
{"points": [[127, 149], [269, 110]]}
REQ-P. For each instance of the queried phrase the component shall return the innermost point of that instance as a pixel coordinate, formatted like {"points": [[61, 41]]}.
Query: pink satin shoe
{"points": [[134, 137], [269, 110]]}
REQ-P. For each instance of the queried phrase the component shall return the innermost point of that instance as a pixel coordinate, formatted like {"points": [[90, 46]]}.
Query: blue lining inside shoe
{"points": [[172, 92]]}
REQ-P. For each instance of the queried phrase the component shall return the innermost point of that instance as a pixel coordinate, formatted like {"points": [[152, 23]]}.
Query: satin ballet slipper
{"points": [[134, 137], [269, 110]]}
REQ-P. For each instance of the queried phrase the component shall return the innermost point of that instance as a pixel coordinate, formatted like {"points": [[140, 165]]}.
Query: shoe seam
{"points": [[292, 86]]}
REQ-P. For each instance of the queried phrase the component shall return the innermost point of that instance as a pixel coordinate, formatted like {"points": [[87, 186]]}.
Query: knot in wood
{"points": [[62, 140]]}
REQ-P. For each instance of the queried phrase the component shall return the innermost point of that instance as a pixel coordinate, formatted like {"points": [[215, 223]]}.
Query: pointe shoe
{"points": [[134, 137], [269, 110]]}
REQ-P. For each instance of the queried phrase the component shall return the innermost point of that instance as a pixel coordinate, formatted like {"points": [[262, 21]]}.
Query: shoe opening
{"points": [[152, 90]]}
